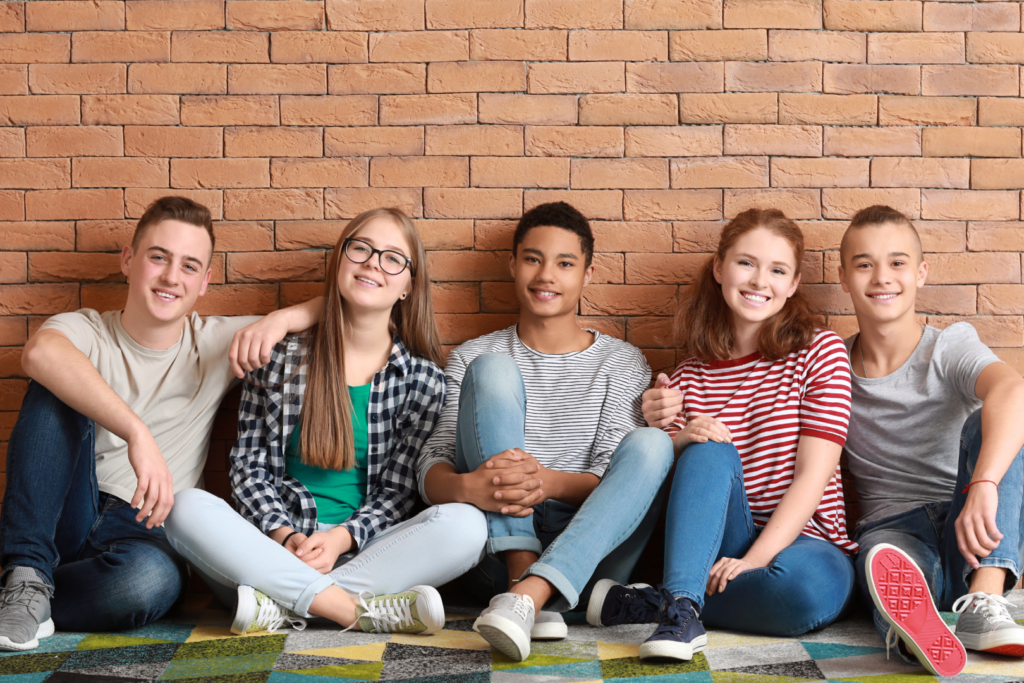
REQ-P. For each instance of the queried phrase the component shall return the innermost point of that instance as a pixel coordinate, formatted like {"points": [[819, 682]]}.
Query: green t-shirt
{"points": [[337, 493]]}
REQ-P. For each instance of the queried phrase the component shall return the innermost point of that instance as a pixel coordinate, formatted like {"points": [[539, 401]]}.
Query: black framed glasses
{"points": [[391, 262]]}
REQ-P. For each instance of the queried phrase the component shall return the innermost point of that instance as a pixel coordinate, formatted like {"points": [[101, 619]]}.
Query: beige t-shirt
{"points": [[175, 391]]}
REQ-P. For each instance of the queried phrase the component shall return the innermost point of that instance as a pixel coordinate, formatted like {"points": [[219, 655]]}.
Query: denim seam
{"points": [[1009, 565], [556, 579], [364, 557]]}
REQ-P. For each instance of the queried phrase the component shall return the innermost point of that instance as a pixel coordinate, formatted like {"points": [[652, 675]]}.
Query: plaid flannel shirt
{"points": [[405, 401]]}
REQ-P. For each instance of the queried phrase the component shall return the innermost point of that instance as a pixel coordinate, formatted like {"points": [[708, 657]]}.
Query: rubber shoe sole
{"points": [[44, 631], [900, 592], [998, 642], [549, 631], [504, 636], [245, 611], [598, 596], [430, 608], [667, 649]]}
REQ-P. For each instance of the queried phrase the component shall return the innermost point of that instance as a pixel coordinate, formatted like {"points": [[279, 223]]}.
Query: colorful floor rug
{"points": [[194, 644]]}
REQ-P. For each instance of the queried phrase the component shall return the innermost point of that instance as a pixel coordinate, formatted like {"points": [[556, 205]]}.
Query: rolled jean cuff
{"points": [[556, 579], [503, 543], [696, 599], [1009, 565], [306, 597]]}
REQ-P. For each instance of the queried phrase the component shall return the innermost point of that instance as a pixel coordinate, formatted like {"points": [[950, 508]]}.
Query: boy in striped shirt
{"points": [[542, 428]]}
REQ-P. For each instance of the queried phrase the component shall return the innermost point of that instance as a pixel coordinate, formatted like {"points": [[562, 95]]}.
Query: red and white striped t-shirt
{"points": [[767, 406]]}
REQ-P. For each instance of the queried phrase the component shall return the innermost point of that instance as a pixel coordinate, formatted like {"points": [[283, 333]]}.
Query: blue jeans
{"points": [[807, 586], [927, 533], [603, 538], [108, 571]]}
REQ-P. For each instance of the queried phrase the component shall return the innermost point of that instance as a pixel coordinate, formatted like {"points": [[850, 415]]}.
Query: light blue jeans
{"points": [[432, 548], [604, 537]]}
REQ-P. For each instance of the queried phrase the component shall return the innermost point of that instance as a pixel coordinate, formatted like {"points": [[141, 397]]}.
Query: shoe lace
{"points": [[521, 607], [891, 638], [23, 593], [385, 614], [638, 606], [992, 606], [271, 616], [673, 616]]}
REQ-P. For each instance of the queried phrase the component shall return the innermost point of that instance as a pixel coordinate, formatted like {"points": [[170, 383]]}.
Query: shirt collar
{"points": [[400, 358]]}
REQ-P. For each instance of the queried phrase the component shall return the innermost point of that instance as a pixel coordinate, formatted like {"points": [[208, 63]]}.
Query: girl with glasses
{"points": [[756, 537], [323, 472]]}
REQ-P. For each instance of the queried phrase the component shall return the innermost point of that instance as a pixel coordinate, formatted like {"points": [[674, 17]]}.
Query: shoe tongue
{"points": [[23, 575]]}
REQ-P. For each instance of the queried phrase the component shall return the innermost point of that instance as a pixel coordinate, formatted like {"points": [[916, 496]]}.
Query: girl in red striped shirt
{"points": [[756, 537]]}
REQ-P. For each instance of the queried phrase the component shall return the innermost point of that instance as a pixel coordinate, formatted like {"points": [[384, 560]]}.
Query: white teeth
{"points": [[883, 296], [166, 297], [369, 282], [755, 297]]}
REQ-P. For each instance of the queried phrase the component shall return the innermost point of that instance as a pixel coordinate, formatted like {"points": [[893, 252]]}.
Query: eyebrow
{"points": [[891, 254], [540, 253], [170, 253], [774, 263], [387, 247]]}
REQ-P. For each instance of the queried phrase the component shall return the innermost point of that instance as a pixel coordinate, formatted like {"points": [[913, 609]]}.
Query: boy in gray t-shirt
{"points": [[934, 446]]}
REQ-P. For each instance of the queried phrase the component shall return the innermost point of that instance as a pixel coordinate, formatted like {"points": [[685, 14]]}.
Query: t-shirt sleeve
{"points": [[622, 411], [440, 445], [82, 327], [217, 331], [960, 356], [825, 405]]}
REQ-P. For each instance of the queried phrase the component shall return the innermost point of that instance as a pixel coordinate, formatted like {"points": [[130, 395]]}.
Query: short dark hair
{"points": [[174, 209], [557, 215], [879, 214]]}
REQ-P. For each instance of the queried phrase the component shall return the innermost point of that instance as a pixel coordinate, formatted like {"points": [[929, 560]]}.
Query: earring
{"points": [[402, 297]]}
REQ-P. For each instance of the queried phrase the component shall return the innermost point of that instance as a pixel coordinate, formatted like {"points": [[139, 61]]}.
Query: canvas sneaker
{"points": [[985, 625], [417, 610], [507, 624], [612, 604], [548, 626], [679, 635], [257, 612], [900, 592], [24, 610]]}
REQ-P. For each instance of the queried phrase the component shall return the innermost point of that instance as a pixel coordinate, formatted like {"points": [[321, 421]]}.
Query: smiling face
{"points": [[758, 274], [365, 286], [168, 270], [882, 272], [550, 272]]}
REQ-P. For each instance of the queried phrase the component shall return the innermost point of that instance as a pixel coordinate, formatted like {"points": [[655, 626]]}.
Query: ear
{"points": [[588, 274], [206, 281], [512, 265], [792, 289], [922, 274], [842, 280], [716, 269], [126, 260]]}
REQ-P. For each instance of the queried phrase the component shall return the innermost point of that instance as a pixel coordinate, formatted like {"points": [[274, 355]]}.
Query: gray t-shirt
{"points": [[903, 445]]}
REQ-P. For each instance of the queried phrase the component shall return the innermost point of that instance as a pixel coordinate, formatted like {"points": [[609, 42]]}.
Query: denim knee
{"points": [[495, 370], [720, 458], [468, 526], [43, 412], [647, 450]]}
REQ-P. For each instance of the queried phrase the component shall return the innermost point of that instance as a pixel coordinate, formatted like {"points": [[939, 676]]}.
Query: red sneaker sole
{"points": [[1010, 650], [901, 592]]}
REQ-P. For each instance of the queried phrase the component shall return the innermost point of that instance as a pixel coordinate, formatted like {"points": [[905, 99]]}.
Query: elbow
{"points": [[33, 357]]}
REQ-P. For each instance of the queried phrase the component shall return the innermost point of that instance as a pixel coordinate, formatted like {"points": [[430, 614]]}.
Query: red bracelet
{"points": [[980, 481]]}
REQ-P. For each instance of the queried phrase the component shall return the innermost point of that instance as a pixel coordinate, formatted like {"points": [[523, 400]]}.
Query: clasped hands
{"points": [[319, 550], [510, 483]]}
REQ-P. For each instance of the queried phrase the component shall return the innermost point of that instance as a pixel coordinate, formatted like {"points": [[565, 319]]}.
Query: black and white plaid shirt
{"points": [[405, 401]]}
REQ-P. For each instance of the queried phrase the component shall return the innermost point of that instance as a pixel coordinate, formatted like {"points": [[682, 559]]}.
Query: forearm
{"points": [[301, 317], [1002, 430], [789, 519], [443, 484], [568, 487]]}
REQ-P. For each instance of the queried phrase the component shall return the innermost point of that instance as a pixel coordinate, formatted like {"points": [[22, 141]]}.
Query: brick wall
{"points": [[657, 118]]}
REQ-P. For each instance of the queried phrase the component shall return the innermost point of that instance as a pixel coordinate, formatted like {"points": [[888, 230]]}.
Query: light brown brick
{"points": [[795, 203], [997, 174], [120, 172], [118, 46], [456, 328], [508, 44], [446, 234], [172, 141], [977, 142], [472, 203], [862, 142], [917, 172], [56, 205], [35, 174], [273, 204], [594, 174], [743, 45], [184, 79], [24, 48], [38, 299], [101, 15], [469, 266], [220, 173], [174, 15], [866, 78], [219, 46], [984, 236], [474, 140], [495, 297], [319, 172], [837, 110], [87, 79], [446, 77], [318, 234], [58, 267], [713, 172], [998, 299], [420, 46], [389, 79], [996, 16], [674, 78], [419, 172], [628, 300], [13, 79], [823, 172], [230, 110], [773, 14], [673, 14], [948, 111], [13, 332], [574, 141], [773, 140], [998, 80], [273, 79], [916, 48], [58, 141], [678, 205], [519, 172], [326, 110], [342, 142], [995, 48], [1000, 111], [275, 266], [661, 269], [973, 268], [872, 15], [729, 108], [12, 142], [38, 236], [842, 203], [274, 15], [152, 110], [280, 142], [611, 236], [941, 236], [12, 17], [12, 205], [825, 46], [104, 235], [983, 205], [630, 46], [375, 15], [137, 199], [398, 110], [594, 204], [333, 48], [348, 203], [21, 110], [497, 235], [627, 110], [453, 14], [538, 110], [593, 14], [773, 77], [569, 77]]}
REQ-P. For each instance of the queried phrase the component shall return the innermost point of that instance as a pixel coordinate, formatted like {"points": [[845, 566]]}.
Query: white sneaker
{"points": [[258, 612], [417, 610], [988, 626], [507, 623], [548, 626]]}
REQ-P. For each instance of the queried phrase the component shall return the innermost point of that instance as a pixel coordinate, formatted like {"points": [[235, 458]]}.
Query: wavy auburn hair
{"points": [[703, 325], [326, 420]]}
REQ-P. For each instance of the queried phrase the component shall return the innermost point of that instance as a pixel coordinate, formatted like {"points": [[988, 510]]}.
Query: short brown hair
{"points": [[879, 214], [174, 208]]}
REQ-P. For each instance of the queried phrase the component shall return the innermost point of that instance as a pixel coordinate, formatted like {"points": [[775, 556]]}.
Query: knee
{"points": [[818, 598], [711, 456], [191, 509], [465, 528], [152, 579], [496, 370], [646, 450], [50, 415]]}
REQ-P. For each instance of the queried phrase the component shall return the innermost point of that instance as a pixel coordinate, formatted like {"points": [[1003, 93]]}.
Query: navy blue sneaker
{"points": [[612, 604], [679, 634]]}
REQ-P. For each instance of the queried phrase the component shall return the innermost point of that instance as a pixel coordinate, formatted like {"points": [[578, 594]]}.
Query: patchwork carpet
{"points": [[194, 644]]}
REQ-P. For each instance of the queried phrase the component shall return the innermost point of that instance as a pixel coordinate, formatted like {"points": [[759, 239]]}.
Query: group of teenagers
{"points": [[535, 466]]}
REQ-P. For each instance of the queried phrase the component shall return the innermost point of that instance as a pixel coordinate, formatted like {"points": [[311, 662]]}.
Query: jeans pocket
{"points": [[556, 515]]}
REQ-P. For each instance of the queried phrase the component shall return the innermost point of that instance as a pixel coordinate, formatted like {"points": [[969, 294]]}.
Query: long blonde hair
{"points": [[326, 438]]}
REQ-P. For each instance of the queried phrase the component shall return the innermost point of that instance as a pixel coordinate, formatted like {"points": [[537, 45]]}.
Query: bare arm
{"points": [[52, 360], [252, 345]]}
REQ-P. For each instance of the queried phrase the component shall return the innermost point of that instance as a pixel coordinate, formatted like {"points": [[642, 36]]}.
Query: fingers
{"points": [[515, 478], [163, 506], [236, 368], [526, 501], [525, 512], [962, 544], [294, 542], [140, 495], [152, 494], [314, 541], [662, 381]]}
